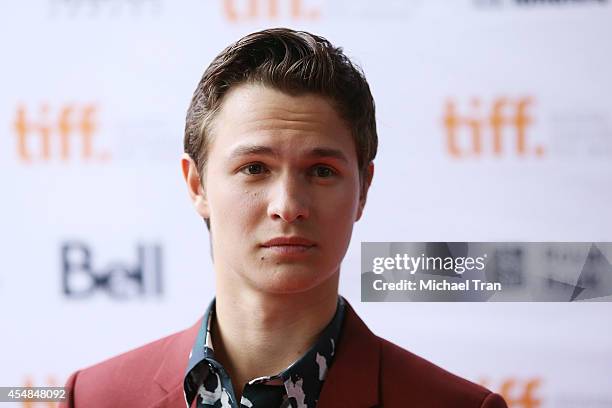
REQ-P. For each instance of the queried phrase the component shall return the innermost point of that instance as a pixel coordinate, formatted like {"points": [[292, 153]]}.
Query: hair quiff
{"points": [[291, 61]]}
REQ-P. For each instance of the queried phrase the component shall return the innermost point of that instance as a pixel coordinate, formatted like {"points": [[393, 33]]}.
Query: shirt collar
{"points": [[308, 372]]}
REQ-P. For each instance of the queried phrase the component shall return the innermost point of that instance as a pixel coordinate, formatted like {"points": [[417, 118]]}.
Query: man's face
{"points": [[281, 189]]}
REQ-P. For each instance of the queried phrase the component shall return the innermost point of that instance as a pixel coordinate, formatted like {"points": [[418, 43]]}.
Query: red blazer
{"points": [[367, 371]]}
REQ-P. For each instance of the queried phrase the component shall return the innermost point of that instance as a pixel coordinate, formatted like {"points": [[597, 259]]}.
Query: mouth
{"points": [[288, 249], [289, 245]]}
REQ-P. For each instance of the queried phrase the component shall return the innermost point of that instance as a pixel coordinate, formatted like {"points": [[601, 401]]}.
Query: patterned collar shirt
{"points": [[208, 385]]}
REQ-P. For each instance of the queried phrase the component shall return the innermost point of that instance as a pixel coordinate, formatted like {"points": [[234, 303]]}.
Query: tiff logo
{"points": [[51, 134], [120, 280], [246, 10], [500, 129], [519, 394], [51, 382]]}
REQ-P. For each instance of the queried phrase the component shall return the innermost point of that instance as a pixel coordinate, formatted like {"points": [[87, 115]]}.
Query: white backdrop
{"points": [[94, 95]]}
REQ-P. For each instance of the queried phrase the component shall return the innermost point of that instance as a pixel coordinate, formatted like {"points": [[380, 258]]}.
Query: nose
{"points": [[289, 200]]}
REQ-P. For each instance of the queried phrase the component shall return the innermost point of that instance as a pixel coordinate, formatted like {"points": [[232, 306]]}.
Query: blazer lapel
{"points": [[171, 371], [174, 399], [353, 378]]}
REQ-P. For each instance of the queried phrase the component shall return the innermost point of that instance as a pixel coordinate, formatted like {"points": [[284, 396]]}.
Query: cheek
{"points": [[235, 207], [339, 209]]}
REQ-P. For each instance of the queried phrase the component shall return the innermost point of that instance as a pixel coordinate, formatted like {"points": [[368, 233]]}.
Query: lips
{"points": [[298, 242]]}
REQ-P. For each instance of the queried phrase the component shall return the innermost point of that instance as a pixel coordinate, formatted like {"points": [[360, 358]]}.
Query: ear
{"points": [[365, 186], [194, 186]]}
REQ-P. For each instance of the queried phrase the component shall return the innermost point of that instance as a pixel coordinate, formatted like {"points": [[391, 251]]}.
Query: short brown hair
{"points": [[291, 61]]}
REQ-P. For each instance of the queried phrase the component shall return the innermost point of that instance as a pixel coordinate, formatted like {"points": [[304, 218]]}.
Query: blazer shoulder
{"points": [[406, 377], [144, 358], [127, 379]]}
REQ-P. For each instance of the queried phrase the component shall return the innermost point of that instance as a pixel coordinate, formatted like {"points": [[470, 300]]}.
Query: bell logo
{"points": [[519, 394], [245, 10], [475, 135], [52, 134], [120, 280]]}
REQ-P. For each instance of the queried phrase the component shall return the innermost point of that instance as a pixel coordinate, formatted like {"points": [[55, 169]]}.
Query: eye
{"points": [[323, 171], [253, 169]]}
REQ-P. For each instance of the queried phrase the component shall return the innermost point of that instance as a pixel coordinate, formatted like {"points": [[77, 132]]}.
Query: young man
{"points": [[279, 141]]}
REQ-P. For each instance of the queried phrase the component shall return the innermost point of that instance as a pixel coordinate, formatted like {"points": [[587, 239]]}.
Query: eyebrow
{"points": [[317, 152]]}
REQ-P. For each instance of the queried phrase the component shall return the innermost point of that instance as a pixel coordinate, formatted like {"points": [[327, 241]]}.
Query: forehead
{"points": [[254, 113]]}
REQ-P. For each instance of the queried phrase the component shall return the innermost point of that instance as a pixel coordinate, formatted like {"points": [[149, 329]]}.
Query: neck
{"points": [[259, 334]]}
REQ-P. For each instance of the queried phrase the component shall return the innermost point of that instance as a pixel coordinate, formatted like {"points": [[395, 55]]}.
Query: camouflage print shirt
{"points": [[297, 386]]}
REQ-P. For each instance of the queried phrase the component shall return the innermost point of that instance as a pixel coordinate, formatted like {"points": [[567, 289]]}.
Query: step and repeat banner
{"points": [[495, 125]]}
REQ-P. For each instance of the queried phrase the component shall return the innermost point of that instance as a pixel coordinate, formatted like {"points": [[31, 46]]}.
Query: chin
{"points": [[291, 279]]}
